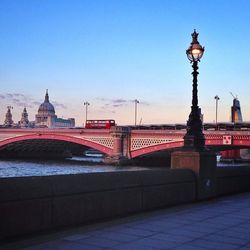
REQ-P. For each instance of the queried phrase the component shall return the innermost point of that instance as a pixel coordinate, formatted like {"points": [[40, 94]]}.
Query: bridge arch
{"points": [[156, 148], [58, 137], [212, 145]]}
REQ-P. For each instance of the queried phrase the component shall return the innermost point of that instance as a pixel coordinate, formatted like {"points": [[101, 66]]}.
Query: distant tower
{"points": [[8, 117], [236, 115], [24, 122]]}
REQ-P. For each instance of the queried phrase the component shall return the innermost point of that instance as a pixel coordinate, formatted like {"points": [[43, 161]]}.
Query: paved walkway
{"points": [[222, 223]]}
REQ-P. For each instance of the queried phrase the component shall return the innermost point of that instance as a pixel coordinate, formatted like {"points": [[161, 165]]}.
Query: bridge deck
{"points": [[118, 141]]}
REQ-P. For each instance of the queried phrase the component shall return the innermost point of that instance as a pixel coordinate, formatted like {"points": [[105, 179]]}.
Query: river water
{"points": [[76, 165]]}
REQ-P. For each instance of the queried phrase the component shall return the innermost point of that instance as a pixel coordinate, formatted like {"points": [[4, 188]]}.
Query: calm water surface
{"points": [[76, 165]]}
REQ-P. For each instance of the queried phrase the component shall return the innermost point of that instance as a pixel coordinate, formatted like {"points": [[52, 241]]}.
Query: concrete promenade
{"points": [[221, 223]]}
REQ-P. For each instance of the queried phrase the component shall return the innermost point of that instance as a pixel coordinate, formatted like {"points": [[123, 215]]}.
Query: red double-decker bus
{"points": [[101, 124]]}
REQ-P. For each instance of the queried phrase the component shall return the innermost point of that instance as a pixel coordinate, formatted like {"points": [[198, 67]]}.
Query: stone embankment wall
{"points": [[232, 180], [32, 204]]}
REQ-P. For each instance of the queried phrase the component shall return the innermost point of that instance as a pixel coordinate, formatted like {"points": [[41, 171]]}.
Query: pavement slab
{"points": [[221, 223]]}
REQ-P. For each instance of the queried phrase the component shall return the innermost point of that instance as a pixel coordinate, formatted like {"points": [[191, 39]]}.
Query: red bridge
{"points": [[117, 143]]}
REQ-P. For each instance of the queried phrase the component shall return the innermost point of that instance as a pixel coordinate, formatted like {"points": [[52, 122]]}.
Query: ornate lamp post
{"points": [[216, 108], [193, 155], [194, 138], [86, 114]]}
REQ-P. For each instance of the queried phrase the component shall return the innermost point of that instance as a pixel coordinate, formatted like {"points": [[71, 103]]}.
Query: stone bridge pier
{"points": [[121, 148]]}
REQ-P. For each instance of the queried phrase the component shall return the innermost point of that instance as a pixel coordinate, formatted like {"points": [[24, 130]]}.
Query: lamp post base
{"points": [[203, 164]]}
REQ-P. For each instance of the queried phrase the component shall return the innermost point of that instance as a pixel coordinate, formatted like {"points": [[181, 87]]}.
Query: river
{"points": [[75, 165]]}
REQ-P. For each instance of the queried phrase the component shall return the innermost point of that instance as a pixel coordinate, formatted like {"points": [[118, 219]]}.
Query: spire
{"points": [[46, 96], [24, 122], [8, 117]]}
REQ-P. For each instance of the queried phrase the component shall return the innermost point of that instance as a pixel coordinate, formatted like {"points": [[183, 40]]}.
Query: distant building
{"points": [[46, 116], [236, 115], [8, 118]]}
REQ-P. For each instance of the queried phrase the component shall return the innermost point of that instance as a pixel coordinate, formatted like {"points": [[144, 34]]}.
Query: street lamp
{"points": [[86, 110], [136, 102], [216, 108], [194, 155], [194, 137]]}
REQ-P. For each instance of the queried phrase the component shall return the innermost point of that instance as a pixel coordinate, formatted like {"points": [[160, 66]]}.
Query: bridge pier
{"points": [[230, 155], [120, 154]]}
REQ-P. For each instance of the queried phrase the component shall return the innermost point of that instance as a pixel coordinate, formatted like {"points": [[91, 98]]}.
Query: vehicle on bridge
{"points": [[99, 124]]}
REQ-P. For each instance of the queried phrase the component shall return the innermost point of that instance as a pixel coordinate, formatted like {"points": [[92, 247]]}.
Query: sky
{"points": [[111, 52]]}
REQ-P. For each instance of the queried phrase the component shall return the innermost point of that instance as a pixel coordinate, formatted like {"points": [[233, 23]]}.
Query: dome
{"points": [[46, 106]]}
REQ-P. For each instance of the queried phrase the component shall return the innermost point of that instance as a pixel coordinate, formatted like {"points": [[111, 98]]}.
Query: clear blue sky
{"points": [[111, 52]]}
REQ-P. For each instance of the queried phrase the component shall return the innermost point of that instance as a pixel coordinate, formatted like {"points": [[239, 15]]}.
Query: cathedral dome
{"points": [[46, 106]]}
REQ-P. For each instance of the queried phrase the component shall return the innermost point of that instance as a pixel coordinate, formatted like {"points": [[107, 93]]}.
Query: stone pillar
{"points": [[126, 143], [120, 154], [117, 150], [203, 164]]}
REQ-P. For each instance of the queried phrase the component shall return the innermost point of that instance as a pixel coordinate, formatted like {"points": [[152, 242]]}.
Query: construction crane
{"points": [[235, 97]]}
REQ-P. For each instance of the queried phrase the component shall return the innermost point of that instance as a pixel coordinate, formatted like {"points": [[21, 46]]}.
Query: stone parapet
{"points": [[33, 204]]}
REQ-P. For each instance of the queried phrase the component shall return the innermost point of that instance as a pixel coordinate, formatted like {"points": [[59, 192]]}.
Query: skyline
{"points": [[110, 53]]}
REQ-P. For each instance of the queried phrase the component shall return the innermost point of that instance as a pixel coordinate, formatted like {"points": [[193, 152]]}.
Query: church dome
{"points": [[46, 106]]}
